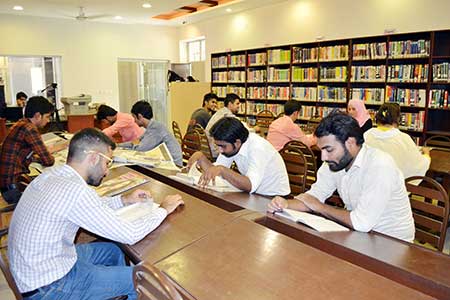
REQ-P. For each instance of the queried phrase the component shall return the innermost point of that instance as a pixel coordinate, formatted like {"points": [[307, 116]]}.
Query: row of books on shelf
{"points": [[222, 91], [278, 92], [279, 56], [304, 55], [257, 59], [368, 95], [333, 53], [223, 61], [408, 73], [275, 74], [369, 51], [406, 97], [230, 76], [256, 75], [409, 48], [369, 73], [304, 74], [333, 73], [441, 72], [438, 99]]}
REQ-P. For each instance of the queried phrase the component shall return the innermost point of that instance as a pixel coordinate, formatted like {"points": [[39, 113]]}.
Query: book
{"points": [[120, 184], [193, 177], [136, 210], [316, 222], [157, 157]]}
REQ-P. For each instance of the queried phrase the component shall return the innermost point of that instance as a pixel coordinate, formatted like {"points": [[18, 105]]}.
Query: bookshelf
{"points": [[412, 69]]}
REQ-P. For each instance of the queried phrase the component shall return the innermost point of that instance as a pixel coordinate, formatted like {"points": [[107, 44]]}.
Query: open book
{"points": [[136, 211], [316, 222], [51, 139], [157, 157], [120, 184], [193, 177]]}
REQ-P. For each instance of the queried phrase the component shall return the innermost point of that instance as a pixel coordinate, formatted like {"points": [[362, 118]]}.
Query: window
{"points": [[193, 50]]}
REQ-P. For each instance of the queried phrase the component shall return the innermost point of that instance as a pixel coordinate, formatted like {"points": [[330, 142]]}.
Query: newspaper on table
{"points": [[159, 157]]}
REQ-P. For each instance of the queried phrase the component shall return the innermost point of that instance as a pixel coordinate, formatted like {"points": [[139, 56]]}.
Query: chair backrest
{"points": [[430, 206], [177, 132], [152, 284], [191, 144], [205, 147], [311, 174], [3, 130], [7, 272], [280, 115], [296, 166], [438, 141], [264, 118]]}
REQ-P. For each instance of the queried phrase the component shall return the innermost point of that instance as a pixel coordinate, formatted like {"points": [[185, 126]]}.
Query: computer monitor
{"points": [[13, 113]]}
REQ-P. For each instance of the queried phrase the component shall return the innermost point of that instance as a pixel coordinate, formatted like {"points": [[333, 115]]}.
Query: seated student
{"points": [[357, 110], [155, 133], [283, 130], [22, 145], [21, 99], [262, 169], [121, 123], [202, 115], [44, 260], [399, 145], [367, 180]]}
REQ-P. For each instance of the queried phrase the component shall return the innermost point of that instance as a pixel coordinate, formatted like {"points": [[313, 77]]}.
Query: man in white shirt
{"points": [[367, 180], [261, 167], [44, 260]]}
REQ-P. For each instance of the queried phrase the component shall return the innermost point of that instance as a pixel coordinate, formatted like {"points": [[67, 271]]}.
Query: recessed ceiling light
{"points": [[118, 17], [18, 7], [146, 5], [229, 10]]}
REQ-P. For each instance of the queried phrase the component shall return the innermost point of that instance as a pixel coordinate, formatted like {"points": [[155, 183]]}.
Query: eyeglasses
{"points": [[108, 159]]}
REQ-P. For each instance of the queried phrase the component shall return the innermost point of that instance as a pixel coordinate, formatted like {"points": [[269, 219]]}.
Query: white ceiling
{"points": [[131, 11]]}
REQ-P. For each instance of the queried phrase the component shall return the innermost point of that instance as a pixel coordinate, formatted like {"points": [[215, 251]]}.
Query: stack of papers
{"points": [[120, 184], [136, 211], [316, 222], [158, 157]]}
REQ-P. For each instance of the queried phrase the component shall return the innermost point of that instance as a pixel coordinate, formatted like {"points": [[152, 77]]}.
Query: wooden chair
{"points": [[6, 271], [152, 284], [191, 144], [438, 141], [296, 165], [430, 206], [280, 115], [311, 164], [264, 118], [205, 147], [177, 132]]}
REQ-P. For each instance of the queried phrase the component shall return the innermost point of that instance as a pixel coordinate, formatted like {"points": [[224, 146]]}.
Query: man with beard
{"points": [[261, 167], [44, 260], [367, 180]]}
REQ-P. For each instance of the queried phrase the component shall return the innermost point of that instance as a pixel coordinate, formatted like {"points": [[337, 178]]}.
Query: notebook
{"points": [[316, 222]]}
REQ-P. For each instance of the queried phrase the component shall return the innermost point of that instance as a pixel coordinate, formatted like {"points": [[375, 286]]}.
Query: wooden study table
{"points": [[414, 266], [440, 165], [244, 260]]}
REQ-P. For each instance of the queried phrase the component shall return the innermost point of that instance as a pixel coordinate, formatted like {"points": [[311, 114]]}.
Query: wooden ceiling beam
{"points": [[188, 8], [210, 2]]}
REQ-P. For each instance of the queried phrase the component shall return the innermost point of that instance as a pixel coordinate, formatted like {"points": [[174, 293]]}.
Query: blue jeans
{"points": [[99, 273]]}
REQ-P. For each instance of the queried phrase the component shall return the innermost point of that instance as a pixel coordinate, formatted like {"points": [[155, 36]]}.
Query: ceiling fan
{"points": [[83, 17]]}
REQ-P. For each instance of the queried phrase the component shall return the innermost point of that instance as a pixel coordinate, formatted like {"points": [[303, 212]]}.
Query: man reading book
{"points": [[44, 260], [261, 167], [367, 180]]}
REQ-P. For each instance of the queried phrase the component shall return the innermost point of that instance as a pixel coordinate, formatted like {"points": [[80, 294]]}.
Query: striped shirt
{"points": [[53, 207]]}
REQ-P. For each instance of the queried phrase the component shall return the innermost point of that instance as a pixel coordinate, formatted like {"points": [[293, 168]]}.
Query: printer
{"points": [[78, 105]]}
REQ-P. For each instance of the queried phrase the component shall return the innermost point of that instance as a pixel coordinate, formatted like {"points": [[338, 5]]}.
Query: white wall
{"points": [[297, 21], [89, 50]]}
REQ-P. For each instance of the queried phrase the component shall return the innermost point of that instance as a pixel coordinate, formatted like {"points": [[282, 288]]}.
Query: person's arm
{"points": [[34, 139], [149, 141], [201, 160], [120, 123], [279, 203], [240, 181]]}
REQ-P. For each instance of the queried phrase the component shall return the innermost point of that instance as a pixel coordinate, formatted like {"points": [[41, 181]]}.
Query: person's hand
{"points": [[426, 150], [194, 158], [210, 175], [277, 204], [171, 202], [136, 196]]}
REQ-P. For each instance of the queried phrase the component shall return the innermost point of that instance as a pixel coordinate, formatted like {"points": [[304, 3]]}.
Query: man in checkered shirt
{"points": [[44, 260]]}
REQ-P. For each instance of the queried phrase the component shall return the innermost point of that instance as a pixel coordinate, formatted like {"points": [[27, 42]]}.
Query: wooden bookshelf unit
{"points": [[411, 69]]}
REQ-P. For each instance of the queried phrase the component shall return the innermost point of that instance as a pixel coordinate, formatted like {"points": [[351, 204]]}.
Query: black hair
{"points": [[229, 129], [105, 111], [21, 95], [388, 114], [291, 107], [38, 104], [208, 97], [88, 139], [231, 97], [342, 126], [144, 108]]}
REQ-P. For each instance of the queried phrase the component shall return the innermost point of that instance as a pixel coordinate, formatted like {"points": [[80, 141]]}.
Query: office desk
{"points": [[244, 260]]}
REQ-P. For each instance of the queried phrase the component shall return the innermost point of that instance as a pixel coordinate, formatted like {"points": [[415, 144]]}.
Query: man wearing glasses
{"points": [[44, 260]]}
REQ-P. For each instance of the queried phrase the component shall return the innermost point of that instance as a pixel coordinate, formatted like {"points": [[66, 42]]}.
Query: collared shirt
{"points": [[283, 130], [20, 145], [155, 134], [401, 147], [374, 192], [126, 127], [54, 206], [262, 164]]}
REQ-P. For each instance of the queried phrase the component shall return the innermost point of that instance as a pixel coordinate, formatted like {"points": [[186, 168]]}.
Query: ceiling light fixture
{"points": [[118, 17], [18, 7], [229, 10], [146, 5]]}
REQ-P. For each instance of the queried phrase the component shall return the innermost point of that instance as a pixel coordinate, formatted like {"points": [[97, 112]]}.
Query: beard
{"points": [[345, 160], [231, 154], [96, 177]]}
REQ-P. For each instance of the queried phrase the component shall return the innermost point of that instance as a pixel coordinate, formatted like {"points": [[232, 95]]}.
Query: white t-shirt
{"points": [[402, 149], [374, 192], [258, 160]]}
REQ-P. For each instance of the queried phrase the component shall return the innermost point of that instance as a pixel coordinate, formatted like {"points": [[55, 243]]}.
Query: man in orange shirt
{"points": [[120, 122]]}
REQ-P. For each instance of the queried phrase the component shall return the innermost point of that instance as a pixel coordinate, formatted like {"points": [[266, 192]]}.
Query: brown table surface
{"points": [[244, 260], [440, 161]]}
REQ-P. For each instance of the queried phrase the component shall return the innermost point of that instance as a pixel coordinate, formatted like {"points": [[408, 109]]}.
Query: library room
{"points": [[224, 149]]}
